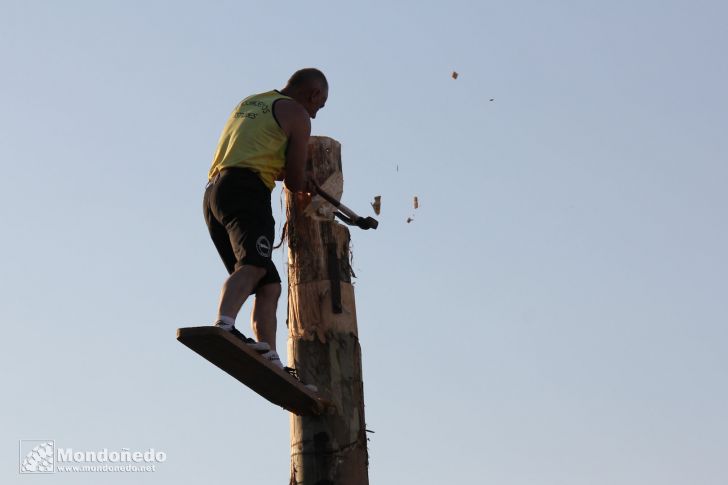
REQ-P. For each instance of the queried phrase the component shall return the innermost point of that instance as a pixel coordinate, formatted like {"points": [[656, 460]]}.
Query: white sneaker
{"points": [[260, 347], [272, 357]]}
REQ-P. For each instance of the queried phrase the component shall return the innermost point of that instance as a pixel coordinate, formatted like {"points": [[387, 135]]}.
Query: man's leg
{"points": [[263, 317], [237, 288], [240, 219], [243, 278]]}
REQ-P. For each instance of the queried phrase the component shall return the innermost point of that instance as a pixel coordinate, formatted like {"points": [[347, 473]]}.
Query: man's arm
{"points": [[296, 123]]}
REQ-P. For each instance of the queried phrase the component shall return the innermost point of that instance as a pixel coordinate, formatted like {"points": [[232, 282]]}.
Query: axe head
{"points": [[366, 223]]}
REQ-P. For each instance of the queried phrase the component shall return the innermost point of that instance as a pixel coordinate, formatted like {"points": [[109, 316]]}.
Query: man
{"points": [[264, 140]]}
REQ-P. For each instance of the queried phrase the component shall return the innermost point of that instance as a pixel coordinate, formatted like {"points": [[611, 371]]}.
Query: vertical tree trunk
{"points": [[323, 342]]}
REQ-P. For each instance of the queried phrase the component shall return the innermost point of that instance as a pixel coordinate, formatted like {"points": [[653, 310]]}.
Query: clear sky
{"points": [[554, 315]]}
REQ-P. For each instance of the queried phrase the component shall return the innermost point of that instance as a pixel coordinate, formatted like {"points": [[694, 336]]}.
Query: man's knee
{"points": [[270, 292]]}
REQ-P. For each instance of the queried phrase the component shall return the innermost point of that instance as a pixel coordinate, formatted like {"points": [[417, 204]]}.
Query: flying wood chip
{"points": [[377, 204], [417, 203], [454, 74], [409, 219]]}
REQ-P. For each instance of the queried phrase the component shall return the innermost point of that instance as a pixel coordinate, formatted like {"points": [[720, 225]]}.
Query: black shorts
{"points": [[238, 214]]}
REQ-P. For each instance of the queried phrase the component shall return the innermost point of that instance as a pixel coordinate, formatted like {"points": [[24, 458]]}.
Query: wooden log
{"points": [[323, 341]]}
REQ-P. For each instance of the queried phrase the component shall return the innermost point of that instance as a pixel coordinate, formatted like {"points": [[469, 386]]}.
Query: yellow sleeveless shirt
{"points": [[252, 138]]}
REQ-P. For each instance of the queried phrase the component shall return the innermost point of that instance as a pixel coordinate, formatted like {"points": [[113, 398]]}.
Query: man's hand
{"points": [[303, 199]]}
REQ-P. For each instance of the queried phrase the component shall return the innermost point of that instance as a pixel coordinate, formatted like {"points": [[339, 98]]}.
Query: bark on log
{"points": [[323, 342]]}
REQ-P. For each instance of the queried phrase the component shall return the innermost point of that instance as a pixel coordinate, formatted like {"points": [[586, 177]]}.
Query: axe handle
{"points": [[348, 212]]}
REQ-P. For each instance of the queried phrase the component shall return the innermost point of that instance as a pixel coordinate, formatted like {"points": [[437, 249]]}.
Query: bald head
{"points": [[308, 78], [310, 88]]}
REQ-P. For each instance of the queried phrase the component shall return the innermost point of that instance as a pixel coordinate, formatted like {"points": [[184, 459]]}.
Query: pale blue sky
{"points": [[555, 314]]}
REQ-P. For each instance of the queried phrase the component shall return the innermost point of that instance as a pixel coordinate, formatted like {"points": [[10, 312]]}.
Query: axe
{"points": [[347, 215]]}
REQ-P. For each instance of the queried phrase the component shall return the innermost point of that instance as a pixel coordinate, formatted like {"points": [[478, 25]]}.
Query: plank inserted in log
{"points": [[236, 358]]}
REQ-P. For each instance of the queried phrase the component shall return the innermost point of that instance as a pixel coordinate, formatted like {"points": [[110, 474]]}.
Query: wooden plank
{"points": [[233, 356]]}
